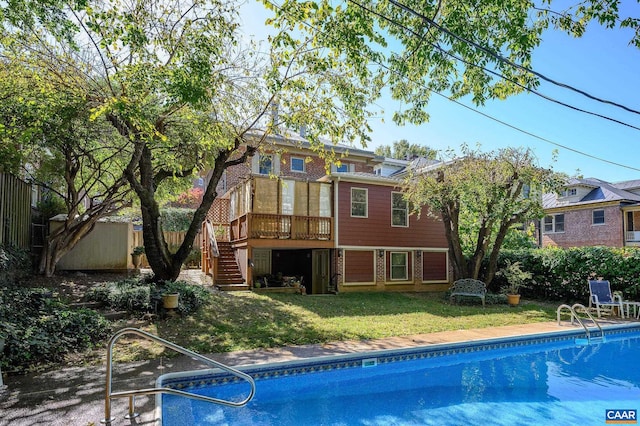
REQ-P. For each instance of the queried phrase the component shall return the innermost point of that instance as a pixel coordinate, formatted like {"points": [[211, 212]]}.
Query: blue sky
{"points": [[601, 63]]}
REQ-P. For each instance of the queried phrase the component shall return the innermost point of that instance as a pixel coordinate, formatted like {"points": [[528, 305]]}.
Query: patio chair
{"points": [[602, 298]]}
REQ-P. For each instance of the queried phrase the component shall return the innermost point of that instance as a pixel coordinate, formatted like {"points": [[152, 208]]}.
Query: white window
{"points": [[399, 265], [598, 217], [297, 164], [399, 210], [553, 223], [359, 202]]}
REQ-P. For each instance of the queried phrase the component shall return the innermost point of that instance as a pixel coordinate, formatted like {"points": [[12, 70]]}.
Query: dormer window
{"points": [[569, 192]]}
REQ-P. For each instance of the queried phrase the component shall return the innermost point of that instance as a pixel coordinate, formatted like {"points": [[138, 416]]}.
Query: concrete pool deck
{"points": [[75, 396]]}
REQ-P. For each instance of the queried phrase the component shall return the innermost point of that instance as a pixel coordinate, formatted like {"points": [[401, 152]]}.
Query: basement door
{"points": [[320, 271]]}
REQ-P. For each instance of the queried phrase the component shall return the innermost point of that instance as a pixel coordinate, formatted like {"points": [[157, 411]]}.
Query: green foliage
{"points": [[176, 219], [138, 250], [131, 295], [194, 259], [51, 206], [192, 297], [561, 274], [138, 296], [40, 329], [519, 238], [481, 196], [15, 265], [403, 150], [515, 276]]}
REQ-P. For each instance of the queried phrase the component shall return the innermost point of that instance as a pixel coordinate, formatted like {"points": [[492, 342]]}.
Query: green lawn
{"points": [[238, 321]]}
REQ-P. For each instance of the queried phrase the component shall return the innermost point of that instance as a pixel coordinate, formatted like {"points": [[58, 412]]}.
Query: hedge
{"points": [[562, 274]]}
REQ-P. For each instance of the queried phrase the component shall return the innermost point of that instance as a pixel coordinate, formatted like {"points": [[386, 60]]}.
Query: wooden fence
{"points": [[173, 239], [15, 211]]}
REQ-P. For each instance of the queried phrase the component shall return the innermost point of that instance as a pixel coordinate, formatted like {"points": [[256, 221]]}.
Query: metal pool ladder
{"points": [[574, 315], [109, 394]]}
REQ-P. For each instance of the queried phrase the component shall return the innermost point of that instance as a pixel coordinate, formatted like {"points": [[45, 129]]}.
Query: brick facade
{"points": [[580, 231]]}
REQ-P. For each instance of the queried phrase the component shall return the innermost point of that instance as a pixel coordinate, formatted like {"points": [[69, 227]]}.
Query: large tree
{"points": [[175, 80], [479, 197], [480, 49]]}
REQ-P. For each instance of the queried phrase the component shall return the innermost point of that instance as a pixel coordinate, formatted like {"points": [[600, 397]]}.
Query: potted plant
{"points": [[516, 280], [136, 256], [170, 296]]}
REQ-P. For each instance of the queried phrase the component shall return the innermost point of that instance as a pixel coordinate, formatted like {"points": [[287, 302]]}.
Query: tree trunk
{"points": [[167, 266], [61, 241], [450, 216]]}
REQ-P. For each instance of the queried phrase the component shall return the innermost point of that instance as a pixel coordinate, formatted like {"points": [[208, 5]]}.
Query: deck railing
{"points": [[275, 226]]}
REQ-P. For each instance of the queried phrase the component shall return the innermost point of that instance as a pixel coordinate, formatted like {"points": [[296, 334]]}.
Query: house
{"points": [[591, 212], [285, 217], [379, 245]]}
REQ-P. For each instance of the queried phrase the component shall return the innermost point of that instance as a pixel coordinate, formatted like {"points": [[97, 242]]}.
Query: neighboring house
{"points": [[592, 212], [285, 216]]}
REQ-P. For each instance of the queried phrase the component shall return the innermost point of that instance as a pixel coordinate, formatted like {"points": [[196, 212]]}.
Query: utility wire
{"points": [[471, 64], [501, 58], [497, 120]]}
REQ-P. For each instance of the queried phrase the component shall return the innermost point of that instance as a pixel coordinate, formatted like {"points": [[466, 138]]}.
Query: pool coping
{"points": [[310, 365]]}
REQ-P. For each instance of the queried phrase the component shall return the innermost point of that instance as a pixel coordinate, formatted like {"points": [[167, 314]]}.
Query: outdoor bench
{"points": [[468, 287]]}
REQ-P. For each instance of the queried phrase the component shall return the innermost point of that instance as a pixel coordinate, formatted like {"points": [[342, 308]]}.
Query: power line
{"points": [[507, 61], [468, 63], [497, 120]]}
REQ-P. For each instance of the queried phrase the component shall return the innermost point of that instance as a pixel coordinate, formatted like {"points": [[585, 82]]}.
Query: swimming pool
{"points": [[542, 379]]}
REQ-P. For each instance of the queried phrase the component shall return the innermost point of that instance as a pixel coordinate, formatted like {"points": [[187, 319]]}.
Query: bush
{"points": [[131, 295], [40, 330], [15, 265], [136, 296], [192, 297], [561, 274], [176, 219]]}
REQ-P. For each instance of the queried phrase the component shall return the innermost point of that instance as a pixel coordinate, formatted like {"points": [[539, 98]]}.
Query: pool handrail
{"points": [[109, 394], [574, 314]]}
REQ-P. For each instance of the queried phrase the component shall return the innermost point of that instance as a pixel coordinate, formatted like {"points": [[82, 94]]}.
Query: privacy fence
{"points": [[15, 211]]}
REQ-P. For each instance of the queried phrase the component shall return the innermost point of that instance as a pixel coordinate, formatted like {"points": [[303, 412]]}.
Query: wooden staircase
{"points": [[228, 276]]}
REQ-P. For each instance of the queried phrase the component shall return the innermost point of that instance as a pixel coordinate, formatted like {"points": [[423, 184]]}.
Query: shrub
{"points": [[134, 295], [131, 295], [39, 329], [15, 265], [561, 274], [192, 297], [176, 219], [194, 258]]}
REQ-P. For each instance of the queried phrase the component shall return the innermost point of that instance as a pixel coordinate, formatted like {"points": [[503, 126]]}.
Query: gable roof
{"points": [[601, 192]]}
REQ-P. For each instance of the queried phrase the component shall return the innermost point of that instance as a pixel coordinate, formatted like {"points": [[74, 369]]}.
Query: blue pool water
{"points": [[547, 379]]}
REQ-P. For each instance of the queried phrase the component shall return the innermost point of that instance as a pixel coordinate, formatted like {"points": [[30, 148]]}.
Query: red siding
{"points": [[359, 266], [376, 229], [434, 266]]}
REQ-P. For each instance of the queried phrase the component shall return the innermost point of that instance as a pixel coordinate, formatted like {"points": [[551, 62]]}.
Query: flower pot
{"points": [[513, 299], [170, 300], [136, 259]]}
